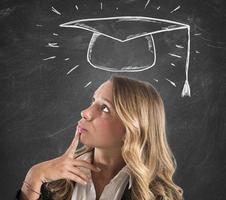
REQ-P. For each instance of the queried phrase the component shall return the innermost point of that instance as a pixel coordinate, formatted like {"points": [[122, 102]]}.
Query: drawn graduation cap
{"points": [[126, 44]]}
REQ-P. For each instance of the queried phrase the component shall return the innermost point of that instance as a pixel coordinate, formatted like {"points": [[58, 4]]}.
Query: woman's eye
{"points": [[103, 107], [106, 108]]}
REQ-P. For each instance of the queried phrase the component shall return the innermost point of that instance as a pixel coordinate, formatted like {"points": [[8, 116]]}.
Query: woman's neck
{"points": [[110, 162]]}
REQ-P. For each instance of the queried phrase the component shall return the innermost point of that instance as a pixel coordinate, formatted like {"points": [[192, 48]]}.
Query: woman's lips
{"points": [[80, 129]]}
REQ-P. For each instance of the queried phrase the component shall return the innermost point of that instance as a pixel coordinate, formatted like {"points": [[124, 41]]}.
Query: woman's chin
{"points": [[86, 143]]}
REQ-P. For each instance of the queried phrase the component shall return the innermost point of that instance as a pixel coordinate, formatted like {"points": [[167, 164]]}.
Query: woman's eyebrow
{"points": [[105, 99]]}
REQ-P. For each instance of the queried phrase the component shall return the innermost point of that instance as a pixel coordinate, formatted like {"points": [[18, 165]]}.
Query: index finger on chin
{"points": [[74, 144]]}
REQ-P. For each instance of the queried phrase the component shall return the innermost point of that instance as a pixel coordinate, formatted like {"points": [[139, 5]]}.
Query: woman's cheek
{"points": [[109, 138]]}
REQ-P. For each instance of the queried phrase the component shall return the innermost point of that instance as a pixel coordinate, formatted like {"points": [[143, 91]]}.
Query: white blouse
{"points": [[112, 191]]}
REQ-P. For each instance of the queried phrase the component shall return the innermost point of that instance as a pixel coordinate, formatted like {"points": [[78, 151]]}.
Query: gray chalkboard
{"points": [[46, 80]]}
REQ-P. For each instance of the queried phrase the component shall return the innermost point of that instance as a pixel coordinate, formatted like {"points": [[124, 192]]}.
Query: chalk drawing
{"points": [[164, 26], [54, 45], [179, 46], [178, 7], [172, 64], [72, 69], [175, 55], [56, 11], [49, 58], [148, 1], [171, 82], [87, 84], [101, 5]]}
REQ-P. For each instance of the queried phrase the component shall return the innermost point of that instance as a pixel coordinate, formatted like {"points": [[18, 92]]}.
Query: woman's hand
{"points": [[65, 166]]}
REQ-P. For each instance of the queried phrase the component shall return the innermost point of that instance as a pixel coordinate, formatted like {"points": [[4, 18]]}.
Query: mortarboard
{"points": [[114, 41]]}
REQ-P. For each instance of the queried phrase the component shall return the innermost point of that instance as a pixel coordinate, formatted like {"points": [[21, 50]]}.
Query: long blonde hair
{"points": [[145, 149]]}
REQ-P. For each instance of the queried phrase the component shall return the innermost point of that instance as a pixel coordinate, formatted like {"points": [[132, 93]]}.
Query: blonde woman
{"points": [[125, 153]]}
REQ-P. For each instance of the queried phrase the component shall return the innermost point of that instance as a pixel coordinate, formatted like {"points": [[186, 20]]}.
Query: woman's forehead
{"points": [[104, 89]]}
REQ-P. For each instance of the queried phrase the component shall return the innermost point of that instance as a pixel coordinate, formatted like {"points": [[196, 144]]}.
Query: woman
{"points": [[125, 153]]}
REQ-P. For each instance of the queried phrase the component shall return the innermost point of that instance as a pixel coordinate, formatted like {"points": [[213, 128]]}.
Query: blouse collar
{"points": [[125, 171]]}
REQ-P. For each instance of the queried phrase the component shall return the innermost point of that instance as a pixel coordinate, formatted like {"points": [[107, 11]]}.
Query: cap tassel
{"points": [[186, 89]]}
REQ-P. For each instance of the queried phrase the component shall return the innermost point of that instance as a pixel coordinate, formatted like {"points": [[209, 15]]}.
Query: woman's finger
{"points": [[83, 163], [75, 178], [79, 173], [71, 149]]}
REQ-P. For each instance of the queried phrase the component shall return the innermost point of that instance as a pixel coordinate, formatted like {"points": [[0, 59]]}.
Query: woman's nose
{"points": [[86, 114]]}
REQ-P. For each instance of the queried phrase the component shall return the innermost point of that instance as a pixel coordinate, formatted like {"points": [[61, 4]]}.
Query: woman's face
{"points": [[104, 128]]}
